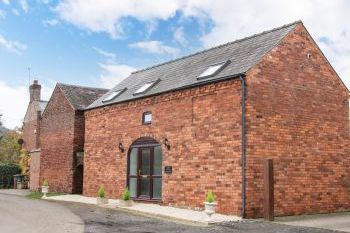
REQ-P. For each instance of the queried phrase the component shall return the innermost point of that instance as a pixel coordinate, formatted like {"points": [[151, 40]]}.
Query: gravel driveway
{"points": [[19, 214]]}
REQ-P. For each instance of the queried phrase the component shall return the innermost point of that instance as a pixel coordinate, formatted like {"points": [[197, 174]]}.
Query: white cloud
{"points": [[7, 2], [112, 74], [45, 1], [12, 46], [179, 36], [150, 28], [24, 5], [2, 14], [15, 11], [110, 56], [14, 102], [156, 47], [51, 22], [107, 15]]}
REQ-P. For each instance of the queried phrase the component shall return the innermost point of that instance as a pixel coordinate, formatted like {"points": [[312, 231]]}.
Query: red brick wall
{"points": [[57, 143], [298, 113], [29, 126], [79, 130], [203, 126], [35, 170]]}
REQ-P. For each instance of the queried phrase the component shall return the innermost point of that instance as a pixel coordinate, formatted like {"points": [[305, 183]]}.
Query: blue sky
{"points": [[98, 43]]}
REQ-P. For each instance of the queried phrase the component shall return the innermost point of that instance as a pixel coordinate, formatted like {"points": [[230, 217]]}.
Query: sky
{"points": [[98, 43]]}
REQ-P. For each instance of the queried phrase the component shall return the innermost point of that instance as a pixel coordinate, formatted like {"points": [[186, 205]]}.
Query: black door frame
{"points": [[138, 176]]}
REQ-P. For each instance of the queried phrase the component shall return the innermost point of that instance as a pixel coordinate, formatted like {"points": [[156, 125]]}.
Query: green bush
{"points": [[45, 183], [7, 171], [126, 194], [210, 197], [101, 192]]}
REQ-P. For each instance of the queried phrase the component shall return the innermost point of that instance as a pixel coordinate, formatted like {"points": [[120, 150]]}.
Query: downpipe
{"points": [[243, 145]]}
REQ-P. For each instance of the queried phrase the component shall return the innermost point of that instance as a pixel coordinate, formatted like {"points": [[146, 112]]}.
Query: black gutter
{"points": [[243, 144]]}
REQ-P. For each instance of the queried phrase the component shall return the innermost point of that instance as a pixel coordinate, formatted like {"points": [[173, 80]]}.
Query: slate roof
{"points": [[183, 72], [81, 97]]}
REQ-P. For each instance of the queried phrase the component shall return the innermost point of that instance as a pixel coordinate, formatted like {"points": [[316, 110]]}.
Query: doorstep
{"points": [[155, 210]]}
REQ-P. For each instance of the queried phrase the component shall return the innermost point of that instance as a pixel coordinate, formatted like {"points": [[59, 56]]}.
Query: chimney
{"points": [[34, 91]]}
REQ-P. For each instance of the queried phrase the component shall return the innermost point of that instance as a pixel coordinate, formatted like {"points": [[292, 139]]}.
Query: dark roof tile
{"points": [[81, 97]]}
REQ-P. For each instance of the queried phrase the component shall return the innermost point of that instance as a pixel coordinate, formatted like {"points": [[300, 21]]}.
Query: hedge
{"points": [[7, 171]]}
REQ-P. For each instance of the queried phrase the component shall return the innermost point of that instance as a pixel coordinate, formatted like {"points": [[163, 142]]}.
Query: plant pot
{"points": [[102, 201], [209, 209], [123, 203], [45, 190]]}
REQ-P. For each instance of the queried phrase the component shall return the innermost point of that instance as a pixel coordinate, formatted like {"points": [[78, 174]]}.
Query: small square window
{"points": [[147, 118]]}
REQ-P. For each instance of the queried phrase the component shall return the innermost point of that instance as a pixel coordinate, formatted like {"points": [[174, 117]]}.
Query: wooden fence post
{"points": [[268, 190]]}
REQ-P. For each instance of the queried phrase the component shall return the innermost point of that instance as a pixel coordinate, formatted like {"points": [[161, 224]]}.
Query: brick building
{"points": [[31, 131], [62, 137], [173, 131]]}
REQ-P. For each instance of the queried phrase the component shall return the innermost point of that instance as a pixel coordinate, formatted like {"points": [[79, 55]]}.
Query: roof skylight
{"points": [[145, 87], [113, 95], [213, 69]]}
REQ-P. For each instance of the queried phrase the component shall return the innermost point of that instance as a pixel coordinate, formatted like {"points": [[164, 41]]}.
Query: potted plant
{"points": [[45, 188], [126, 201], [210, 205], [101, 196]]}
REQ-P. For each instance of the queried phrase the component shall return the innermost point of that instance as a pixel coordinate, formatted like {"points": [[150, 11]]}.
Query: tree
{"points": [[10, 150]]}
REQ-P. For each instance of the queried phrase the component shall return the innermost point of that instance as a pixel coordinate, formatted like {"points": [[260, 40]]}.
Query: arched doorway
{"points": [[145, 169]]}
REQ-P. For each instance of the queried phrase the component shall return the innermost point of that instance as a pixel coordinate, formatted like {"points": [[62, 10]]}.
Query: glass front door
{"points": [[145, 172]]}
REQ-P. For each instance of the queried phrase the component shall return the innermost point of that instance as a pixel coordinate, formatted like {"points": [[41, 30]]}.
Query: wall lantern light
{"points": [[166, 143], [121, 147]]}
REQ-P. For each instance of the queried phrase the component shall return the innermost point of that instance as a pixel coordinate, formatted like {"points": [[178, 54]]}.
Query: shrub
{"points": [[101, 192], [210, 197], [7, 171], [126, 194], [45, 183]]}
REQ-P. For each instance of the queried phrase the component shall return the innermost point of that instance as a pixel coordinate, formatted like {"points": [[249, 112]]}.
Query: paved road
{"points": [[336, 221], [19, 214]]}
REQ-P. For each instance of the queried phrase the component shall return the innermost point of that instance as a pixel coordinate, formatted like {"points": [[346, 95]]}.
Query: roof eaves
{"points": [[200, 83]]}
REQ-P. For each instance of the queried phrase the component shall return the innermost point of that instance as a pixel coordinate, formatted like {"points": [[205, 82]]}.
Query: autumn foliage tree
{"points": [[10, 150]]}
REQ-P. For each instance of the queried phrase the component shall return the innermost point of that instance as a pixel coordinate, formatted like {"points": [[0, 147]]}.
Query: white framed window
{"points": [[145, 87], [147, 118], [213, 69], [112, 95]]}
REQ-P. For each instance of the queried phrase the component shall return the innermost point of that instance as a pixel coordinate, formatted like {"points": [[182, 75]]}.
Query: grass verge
{"points": [[38, 195]]}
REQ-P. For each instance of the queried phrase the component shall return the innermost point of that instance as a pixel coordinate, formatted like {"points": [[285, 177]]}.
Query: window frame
{"points": [[119, 92], [153, 83], [144, 122], [223, 66]]}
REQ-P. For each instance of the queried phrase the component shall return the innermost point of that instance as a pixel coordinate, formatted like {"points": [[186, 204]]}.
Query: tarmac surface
{"points": [[20, 214]]}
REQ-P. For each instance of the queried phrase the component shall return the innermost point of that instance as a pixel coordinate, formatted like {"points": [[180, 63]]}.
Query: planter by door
{"points": [[145, 170]]}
